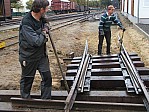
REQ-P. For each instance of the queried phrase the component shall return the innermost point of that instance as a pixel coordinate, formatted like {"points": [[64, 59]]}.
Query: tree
{"points": [[14, 1], [17, 5], [81, 2], [94, 3], [29, 4], [105, 3]]}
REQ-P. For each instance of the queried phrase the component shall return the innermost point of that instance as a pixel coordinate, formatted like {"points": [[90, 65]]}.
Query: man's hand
{"points": [[123, 29], [46, 28], [101, 32]]}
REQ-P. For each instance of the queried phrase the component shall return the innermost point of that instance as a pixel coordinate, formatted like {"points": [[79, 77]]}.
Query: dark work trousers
{"points": [[28, 72], [107, 35]]}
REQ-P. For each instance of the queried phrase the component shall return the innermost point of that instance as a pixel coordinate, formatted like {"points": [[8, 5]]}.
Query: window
{"points": [[146, 3]]}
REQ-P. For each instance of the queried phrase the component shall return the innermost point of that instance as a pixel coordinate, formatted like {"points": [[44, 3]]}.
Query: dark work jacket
{"points": [[31, 39]]}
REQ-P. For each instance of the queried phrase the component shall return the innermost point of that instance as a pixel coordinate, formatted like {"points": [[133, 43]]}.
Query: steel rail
{"points": [[68, 23], [130, 63], [20, 102], [63, 17], [83, 74], [74, 89], [71, 21], [129, 67], [136, 75], [8, 38], [139, 79], [135, 85], [146, 95]]}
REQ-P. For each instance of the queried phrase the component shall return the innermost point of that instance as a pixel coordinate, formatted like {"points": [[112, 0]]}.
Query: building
{"points": [[135, 10], [115, 3]]}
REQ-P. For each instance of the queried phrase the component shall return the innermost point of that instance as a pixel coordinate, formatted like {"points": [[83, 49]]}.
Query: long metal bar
{"points": [[83, 81], [121, 41], [38, 103], [136, 74], [131, 65], [55, 52], [139, 79], [73, 92], [130, 73], [83, 73], [128, 65]]}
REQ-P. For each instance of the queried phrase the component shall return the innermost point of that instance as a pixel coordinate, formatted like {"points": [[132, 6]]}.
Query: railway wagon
{"points": [[82, 8], [5, 10], [73, 6], [60, 6]]}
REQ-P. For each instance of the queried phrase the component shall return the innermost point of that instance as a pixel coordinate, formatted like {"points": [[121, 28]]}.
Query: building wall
{"points": [[142, 13], [144, 9], [115, 3]]}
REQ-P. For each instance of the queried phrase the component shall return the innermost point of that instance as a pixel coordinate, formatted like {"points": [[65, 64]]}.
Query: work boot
{"points": [[46, 93]]}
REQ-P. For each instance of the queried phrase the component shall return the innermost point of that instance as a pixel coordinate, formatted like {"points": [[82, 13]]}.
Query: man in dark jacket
{"points": [[104, 28], [32, 50]]}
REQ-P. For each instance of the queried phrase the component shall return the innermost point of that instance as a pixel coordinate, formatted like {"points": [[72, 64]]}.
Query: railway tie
{"points": [[108, 82]]}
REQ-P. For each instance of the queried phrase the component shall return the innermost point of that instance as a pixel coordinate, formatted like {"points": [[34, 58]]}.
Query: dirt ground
{"points": [[71, 39]]}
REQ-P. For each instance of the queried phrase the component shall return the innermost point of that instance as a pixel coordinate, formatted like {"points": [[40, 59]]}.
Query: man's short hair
{"points": [[111, 7], [38, 4]]}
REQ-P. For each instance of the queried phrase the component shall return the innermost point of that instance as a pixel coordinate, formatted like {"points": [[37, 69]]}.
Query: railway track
{"points": [[10, 22], [6, 42], [50, 18], [117, 82]]}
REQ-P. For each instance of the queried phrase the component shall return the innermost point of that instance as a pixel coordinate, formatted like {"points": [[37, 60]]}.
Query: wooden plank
{"points": [[106, 72]]}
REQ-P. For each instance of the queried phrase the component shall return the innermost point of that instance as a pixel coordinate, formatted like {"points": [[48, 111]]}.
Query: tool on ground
{"points": [[121, 40], [55, 52]]}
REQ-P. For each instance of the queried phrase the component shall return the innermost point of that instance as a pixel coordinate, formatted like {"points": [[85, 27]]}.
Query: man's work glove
{"points": [[123, 29], [101, 32], [46, 28]]}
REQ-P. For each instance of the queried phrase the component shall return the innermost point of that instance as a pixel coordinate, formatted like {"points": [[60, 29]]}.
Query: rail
{"points": [[4, 44], [78, 79], [79, 99], [103, 72], [133, 73]]}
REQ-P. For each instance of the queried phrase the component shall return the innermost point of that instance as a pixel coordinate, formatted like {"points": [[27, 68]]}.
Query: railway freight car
{"points": [[5, 10], [61, 6], [82, 8]]}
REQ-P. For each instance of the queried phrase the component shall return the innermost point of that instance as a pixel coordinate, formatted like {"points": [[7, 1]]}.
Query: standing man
{"points": [[32, 50], [104, 28]]}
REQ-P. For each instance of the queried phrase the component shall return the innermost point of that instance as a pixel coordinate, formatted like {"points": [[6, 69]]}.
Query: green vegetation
{"points": [[17, 5], [94, 3], [29, 4]]}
